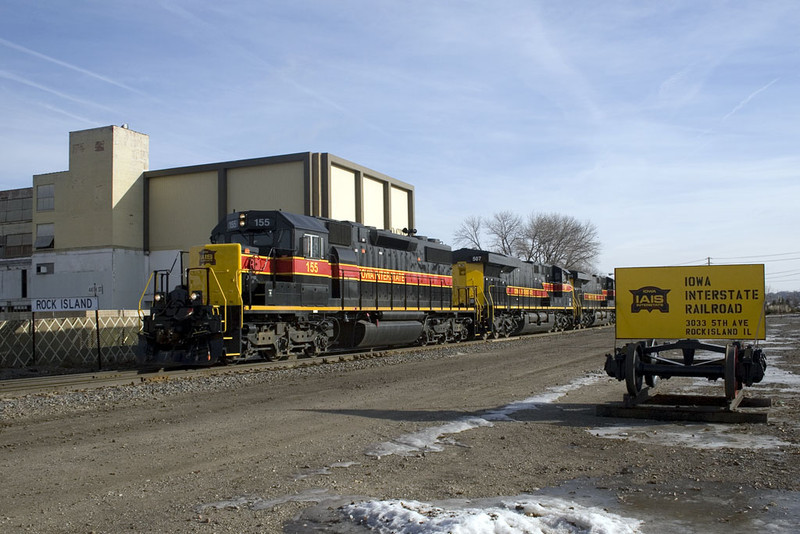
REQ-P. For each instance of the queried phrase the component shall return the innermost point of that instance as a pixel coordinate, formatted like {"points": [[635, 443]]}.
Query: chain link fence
{"points": [[69, 339]]}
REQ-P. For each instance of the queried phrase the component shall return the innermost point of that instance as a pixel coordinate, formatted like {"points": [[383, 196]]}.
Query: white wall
{"points": [[116, 276]]}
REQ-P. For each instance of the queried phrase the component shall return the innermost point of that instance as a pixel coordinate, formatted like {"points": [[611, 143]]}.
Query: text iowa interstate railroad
{"points": [[700, 302]]}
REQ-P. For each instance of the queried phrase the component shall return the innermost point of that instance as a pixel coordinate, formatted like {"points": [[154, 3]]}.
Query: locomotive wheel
{"points": [[427, 337], [731, 386], [633, 379], [650, 379]]}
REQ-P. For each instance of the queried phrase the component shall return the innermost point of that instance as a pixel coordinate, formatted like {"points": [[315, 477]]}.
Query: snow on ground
{"points": [[523, 514], [526, 514], [697, 435], [432, 438]]}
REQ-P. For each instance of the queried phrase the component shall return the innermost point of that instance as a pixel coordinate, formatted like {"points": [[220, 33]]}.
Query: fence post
{"points": [[33, 337], [97, 326]]}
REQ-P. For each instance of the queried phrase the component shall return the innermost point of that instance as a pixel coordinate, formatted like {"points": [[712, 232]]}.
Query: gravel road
{"points": [[283, 451]]}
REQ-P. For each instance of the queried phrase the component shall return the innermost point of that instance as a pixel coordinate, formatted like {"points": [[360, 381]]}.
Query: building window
{"points": [[44, 268], [16, 245], [45, 234], [45, 197]]}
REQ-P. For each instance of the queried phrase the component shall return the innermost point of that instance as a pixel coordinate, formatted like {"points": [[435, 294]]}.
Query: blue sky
{"points": [[673, 126]]}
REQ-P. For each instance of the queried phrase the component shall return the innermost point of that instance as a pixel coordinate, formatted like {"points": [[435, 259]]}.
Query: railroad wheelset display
{"points": [[639, 363]]}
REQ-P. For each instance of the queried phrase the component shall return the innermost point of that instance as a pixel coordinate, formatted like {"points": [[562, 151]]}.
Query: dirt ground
{"points": [[280, 454]]}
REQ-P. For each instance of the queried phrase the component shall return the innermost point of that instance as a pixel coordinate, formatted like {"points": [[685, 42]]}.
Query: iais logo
{"points": [[650, 298], [208, 257]]}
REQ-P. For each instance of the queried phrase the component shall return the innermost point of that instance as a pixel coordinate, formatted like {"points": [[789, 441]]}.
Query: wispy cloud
{"points": [[247, 54], [70, 66], [18, 79], [568, 80], [749, 97]]}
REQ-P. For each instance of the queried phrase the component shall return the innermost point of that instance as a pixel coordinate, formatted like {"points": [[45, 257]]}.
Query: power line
{"points": [[781, 278], [789, 272], [701, 260], [759, 256], [715, 261]]}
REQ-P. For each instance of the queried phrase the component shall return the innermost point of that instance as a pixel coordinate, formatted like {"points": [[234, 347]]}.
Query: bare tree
{"points": [[543, 238], [560, 240], [469, 233], [504, 230]]}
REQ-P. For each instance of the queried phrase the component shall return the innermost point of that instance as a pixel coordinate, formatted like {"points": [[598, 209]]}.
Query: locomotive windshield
{"points": [[261, 242]]}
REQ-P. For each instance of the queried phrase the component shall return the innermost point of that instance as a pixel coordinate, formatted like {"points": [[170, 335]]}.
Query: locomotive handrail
{"points": [[469, 292], [491, 306], [224, 299], [238, 281], [577, 308], [479, 307], [207, 293], [141, 298]]}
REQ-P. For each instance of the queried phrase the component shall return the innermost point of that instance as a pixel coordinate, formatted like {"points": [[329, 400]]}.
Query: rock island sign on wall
{"points": [[64, 304], [700, 302]]}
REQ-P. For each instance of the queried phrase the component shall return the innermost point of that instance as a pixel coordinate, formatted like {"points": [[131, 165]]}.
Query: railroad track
{"points": [[51, 384]]}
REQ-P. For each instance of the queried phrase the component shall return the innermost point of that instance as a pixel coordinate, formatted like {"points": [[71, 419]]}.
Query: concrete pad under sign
{"points": [[694, 408]]}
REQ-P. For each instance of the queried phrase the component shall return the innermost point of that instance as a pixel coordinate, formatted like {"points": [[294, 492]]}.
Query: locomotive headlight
{"points": [[158, 297], [242, 220], [196, 296]]}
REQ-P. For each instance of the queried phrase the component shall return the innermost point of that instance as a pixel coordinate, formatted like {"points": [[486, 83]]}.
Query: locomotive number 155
{"points": [[312, 267]]}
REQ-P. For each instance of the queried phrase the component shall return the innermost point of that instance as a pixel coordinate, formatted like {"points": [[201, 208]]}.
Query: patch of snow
{"points": [[528, 515]]}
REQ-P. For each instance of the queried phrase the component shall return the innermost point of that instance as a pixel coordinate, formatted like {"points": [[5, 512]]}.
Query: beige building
{"points": [[100, 228]]}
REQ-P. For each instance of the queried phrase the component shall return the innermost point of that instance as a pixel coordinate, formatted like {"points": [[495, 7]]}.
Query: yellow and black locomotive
{"points": [[274, 285]]}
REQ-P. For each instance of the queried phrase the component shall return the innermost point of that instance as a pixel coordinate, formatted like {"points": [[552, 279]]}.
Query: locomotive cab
{"points": [[283, 259]]}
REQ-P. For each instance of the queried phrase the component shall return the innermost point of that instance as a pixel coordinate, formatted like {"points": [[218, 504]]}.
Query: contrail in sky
{"points": [[750, 97], [13, 77], [70, 66]]}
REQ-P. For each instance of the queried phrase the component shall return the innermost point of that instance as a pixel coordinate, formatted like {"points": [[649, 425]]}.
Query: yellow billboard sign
{"points": [[701, 302]]}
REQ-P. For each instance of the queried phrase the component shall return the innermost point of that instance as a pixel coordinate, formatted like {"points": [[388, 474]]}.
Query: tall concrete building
{"points": [[100, 228], [88, 221]]}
